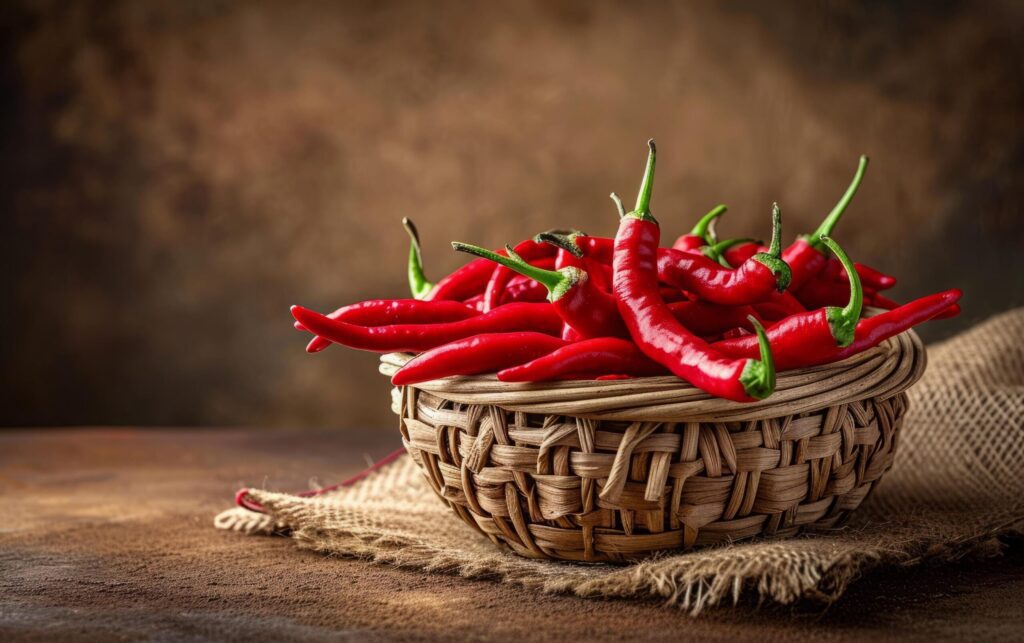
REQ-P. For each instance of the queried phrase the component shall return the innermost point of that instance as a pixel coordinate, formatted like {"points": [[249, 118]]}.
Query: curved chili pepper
{"points": [[805, 256], [819, 332], [484, 353], [869, 332], [651, 324], [752, 281], [586, 359], [413, 338], [581, 304], [531, 250], [702, 234], [468, 281], [419, 285], [385, 312]]}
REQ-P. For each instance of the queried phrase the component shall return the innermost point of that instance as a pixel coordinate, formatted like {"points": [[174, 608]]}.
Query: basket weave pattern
{"points": [[600, 485]]}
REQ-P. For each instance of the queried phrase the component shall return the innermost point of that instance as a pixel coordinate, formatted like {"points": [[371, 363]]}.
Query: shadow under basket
{"points": [[618, 470]]}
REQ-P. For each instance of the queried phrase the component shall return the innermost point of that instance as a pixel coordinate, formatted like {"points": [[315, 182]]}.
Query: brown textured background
{"points": [[175, 174]]}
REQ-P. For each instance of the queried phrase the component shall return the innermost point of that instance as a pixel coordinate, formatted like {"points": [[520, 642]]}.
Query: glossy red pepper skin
{"points": [[384, 312], [531, 251], [736, 255], [695, 273], [749, 283], [600, 273], [792, 348], [483, 353], [779, 306], [524, 290], [465, 282], [586, 359], [420, 337], [653, 327], [582, 304]]}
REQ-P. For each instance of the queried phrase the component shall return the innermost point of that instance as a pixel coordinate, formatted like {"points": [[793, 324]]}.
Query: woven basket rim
{"points": [[880, 372]]}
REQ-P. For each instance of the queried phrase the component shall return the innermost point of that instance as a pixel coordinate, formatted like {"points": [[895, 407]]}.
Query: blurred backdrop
{"points": [[176, 174]]}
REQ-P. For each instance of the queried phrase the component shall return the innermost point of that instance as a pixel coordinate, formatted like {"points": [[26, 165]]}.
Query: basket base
{"points": [[561, 487]]}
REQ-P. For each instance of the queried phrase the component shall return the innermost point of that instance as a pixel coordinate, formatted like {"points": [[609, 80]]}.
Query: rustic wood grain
{"points": [[108, 535]]}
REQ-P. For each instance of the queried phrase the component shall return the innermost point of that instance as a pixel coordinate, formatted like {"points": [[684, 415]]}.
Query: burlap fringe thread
{"points": [[941, 501]]}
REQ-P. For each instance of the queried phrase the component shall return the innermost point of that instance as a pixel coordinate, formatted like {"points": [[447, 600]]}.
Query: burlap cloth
{"points": [[957, 486]]}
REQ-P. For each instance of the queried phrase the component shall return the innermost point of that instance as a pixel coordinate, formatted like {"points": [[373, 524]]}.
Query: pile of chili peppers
{"points": [[722, 315]]}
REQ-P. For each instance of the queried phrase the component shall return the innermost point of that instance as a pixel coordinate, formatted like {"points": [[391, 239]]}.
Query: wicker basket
{"points": [[618, 470]]}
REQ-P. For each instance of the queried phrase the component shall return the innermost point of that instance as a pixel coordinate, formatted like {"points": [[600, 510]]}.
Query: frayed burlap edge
{"points": [[818, 567]]}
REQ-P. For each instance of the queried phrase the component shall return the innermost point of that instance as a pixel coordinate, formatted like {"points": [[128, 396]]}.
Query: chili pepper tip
{"points": [[618, 204], [837, 212]]}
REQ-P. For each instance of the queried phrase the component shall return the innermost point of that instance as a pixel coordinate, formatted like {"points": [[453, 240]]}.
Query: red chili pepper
{"points": [[468, 281], [737, 254], [871, 278], [820, 331], [385, 312], [819, 292], [702, 234], [805, 256], [522, 289], [531, 250], [791, 352], [419, 337], [651, 324], [484, 353], [752, 281], [779, 306], [578, 300], [476, 302], [879, 301], [586, 359], [571, 256]]}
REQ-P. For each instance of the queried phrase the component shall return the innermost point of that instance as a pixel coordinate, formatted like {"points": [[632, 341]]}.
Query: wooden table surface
{"points": [[107, 534]]}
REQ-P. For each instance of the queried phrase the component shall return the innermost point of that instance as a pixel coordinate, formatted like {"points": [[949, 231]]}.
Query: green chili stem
{"points": [[419, 285], [705, 228], [557, 282], [775, 249], [565, 242], [833, 217], [773, 258], [843, 321], [758, 377], [716, 251], [643, 200]]}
